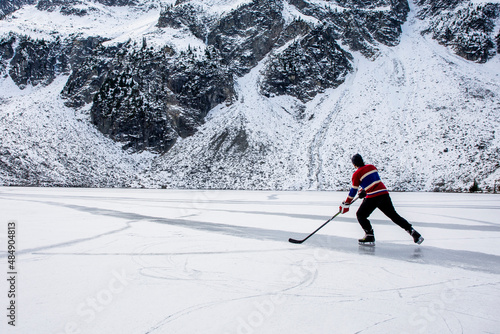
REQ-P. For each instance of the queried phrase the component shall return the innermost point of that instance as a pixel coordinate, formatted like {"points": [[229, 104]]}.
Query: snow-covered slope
{"points": [[45, 143], [426, 117]]}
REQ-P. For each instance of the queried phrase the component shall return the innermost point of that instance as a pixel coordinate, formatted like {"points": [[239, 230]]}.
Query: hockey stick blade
{"points": [[295, 241]]}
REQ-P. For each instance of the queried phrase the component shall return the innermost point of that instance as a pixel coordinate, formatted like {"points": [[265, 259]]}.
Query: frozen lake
{"points": [[179, 261]]}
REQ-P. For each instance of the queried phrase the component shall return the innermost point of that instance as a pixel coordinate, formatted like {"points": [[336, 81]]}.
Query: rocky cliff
{"points": [[468, 28]]}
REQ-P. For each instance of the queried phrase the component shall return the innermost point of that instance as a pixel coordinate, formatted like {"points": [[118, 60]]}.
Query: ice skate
{"points": [[417, 238], [368, 239]]}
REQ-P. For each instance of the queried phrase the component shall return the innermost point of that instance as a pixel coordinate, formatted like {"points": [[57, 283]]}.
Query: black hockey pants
{"points": [[384, 203]]}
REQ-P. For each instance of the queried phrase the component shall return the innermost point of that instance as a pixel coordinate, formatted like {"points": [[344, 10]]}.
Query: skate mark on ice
{"points": [[375, 325], [42, 249], [203, 306], [167, 253]]}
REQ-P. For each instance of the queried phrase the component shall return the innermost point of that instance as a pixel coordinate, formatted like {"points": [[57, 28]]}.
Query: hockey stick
{"points": [[295, 241]]}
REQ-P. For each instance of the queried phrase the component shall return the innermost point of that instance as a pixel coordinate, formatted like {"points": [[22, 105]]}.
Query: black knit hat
{"points": [[357, 160]]}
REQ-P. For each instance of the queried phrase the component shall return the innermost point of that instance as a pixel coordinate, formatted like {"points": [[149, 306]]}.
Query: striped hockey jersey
{"points": [[366, 178]]}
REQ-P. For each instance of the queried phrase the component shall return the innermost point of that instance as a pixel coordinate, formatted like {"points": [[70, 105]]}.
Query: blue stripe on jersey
{"points": [[373, 177], [353, 192]]}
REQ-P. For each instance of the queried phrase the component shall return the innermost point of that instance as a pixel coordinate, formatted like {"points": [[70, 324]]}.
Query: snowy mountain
{"points": [[249, 94]]}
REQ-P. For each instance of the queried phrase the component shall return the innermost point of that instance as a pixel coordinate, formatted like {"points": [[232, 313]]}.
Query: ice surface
{"points": [[178, 261]]}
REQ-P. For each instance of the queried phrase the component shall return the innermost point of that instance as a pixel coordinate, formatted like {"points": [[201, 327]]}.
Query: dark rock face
{"points": [[68, 6], [37, 61], [186, 14], [149, 99], [247, 34], [316, 61], [467, 29], [307, 66], [6, 53], [10, 6], [361, 24], [498, 42], [435, 7], [243, 36], [89, 69], [118, 2], [64, 6]]}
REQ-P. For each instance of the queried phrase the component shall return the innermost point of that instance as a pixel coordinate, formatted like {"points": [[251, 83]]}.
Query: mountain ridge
{"points": [[213, 102]]}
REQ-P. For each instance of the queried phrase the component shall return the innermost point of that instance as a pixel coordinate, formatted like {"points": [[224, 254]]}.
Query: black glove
{"points": [[362, 193]]}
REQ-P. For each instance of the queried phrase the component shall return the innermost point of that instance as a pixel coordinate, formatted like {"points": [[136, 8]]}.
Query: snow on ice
{"points": [[181, 261]]}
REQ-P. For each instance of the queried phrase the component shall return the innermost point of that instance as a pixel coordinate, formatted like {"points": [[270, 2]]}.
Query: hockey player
{"points": [[366, 182]]}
